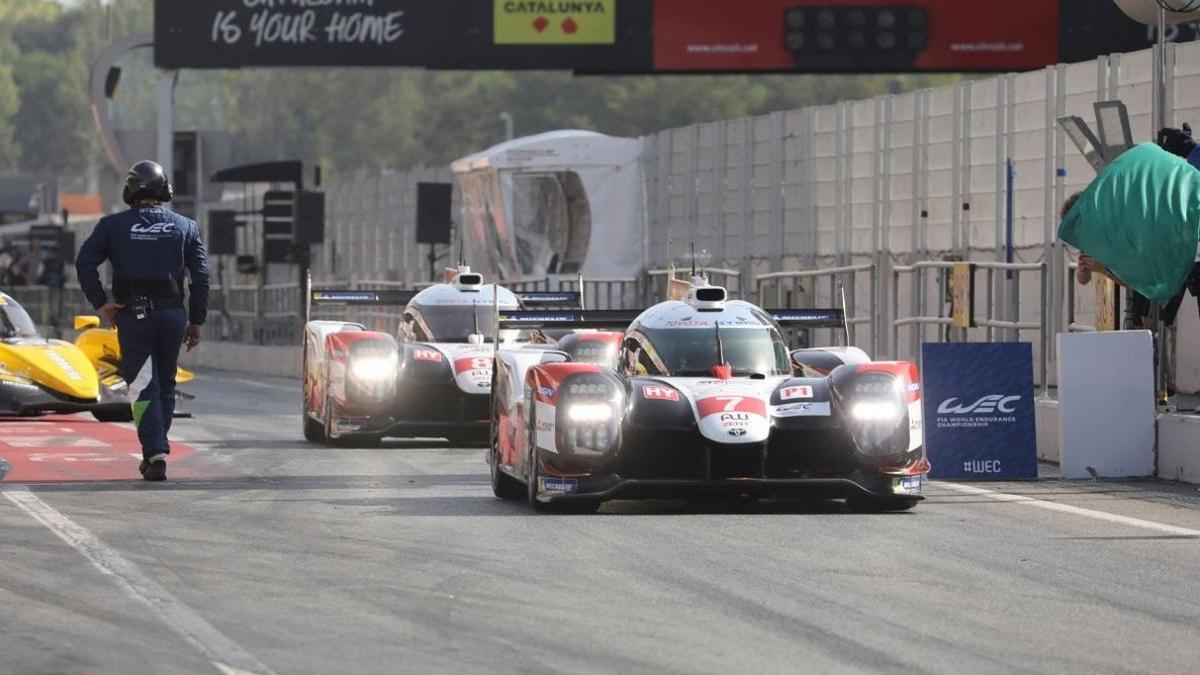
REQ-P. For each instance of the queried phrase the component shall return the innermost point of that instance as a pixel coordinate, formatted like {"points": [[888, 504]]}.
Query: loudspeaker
{"points": [[310, 218], [433, 213], [222, 232]]}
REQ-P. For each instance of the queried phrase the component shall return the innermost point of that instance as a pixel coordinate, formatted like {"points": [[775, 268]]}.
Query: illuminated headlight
{"points": [[589, 412], [374, 368], [874, 411]]}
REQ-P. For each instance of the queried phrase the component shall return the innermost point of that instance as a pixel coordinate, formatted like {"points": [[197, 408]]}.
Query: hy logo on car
{"points": [[988, 404]]}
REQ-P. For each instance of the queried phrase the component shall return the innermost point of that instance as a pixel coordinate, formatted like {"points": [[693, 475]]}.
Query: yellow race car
{"points": [[39, 375]]}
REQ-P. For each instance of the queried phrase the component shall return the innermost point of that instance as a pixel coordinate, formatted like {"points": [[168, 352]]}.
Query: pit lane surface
{"points": [[315, 560]]}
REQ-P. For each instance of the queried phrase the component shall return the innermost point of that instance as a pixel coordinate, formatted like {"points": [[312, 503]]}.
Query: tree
{"points": [[9, 103], [52, 122]]}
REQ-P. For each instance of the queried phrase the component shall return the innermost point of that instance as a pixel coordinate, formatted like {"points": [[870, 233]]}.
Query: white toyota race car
{"points": [[706, 399], [435, 380]]}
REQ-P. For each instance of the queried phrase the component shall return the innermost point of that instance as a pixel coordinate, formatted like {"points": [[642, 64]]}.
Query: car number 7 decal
{"points": [[727, 404], [731, 402]]}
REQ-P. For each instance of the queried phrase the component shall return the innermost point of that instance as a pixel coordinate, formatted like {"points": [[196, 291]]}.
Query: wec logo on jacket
{"points": [[144, 231]]}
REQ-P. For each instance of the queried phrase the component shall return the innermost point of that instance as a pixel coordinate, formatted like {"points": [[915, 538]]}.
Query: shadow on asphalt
{"points": [[490, 506], [442, 505], [237, 483], [299, 444]]}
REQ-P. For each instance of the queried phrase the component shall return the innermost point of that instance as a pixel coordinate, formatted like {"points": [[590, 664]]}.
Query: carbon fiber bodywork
{"points": [[23, 398]]}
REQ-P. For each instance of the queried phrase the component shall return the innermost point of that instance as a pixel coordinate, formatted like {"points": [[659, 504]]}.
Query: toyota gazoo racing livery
{"points": [[39, 375], [706, 399], [435, 380]]}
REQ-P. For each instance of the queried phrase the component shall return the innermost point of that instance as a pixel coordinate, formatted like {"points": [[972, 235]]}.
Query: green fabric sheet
{"points": [[1140, 218]]}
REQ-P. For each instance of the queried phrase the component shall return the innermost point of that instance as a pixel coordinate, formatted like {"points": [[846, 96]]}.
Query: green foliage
{"points": [[343, 118], [9, 104], [52, 121]]}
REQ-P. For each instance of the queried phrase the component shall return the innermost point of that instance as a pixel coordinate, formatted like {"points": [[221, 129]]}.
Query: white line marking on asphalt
{"points": [[1074, 510], [224, 654]]}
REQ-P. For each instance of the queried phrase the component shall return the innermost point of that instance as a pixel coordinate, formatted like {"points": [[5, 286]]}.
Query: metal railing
{"points": [[52, 308], [920, 318], [785, 290], [274, 314], [656, 286], [612, 293]]}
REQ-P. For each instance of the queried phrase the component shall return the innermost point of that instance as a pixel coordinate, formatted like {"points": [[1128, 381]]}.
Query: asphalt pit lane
{"points": [[68, 449]]}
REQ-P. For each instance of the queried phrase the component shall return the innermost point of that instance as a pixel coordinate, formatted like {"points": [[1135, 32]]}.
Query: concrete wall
{"points": [[273, 361]]}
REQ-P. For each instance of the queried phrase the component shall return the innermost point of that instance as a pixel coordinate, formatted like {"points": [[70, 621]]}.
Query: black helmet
{"points": [[146, 180]]}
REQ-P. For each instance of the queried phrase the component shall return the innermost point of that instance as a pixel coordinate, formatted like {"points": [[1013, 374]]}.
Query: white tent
{"points": [[563, 202]]}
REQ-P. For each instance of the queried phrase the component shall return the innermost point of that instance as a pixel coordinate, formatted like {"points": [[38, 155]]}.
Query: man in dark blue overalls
{"points": [[150, 249]]}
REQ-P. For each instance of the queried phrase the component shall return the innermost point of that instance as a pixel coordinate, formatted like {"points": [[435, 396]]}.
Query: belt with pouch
{"points": [[153, 304]]}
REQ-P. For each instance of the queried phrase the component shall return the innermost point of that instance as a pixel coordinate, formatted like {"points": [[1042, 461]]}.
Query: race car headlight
{"points": [[589, 412], [374, 368], [875, 411]]}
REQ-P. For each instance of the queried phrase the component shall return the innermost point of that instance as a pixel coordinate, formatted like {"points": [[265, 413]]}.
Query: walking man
{"points": [[150, 249]]}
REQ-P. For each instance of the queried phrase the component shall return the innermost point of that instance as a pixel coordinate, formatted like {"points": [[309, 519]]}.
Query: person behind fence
{"points": [[150, 250], [32, 264], [7, 261]]}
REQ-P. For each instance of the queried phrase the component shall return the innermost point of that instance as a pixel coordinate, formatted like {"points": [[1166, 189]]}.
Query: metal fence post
{"points": [[717, 201], [778, 157], [747, 187]]}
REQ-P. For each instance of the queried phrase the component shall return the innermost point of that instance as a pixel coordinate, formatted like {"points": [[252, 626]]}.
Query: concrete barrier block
{"points": [[1046, 414], [1179, 447], [1106, 404]]}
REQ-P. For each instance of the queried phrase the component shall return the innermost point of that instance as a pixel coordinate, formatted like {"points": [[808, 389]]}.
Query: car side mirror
{"points": [[86, 322]]}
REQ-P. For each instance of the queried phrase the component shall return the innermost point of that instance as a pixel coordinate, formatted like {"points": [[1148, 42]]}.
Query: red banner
{"points": [[931, 35]]}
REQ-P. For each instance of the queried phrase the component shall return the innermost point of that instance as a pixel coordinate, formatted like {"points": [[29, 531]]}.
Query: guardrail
{"points": [[920, 318], [789, 292]]}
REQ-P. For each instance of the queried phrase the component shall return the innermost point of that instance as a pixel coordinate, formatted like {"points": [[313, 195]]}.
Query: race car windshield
{"points": [[692, 352], [14, 322], [454, 323]]}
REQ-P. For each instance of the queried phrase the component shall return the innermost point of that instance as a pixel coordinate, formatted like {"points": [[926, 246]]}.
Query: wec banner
{"points": [[979, 410]]}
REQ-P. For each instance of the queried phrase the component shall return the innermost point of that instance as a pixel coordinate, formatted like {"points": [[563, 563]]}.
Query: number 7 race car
{"points": [[361, 386], [705, 400]]}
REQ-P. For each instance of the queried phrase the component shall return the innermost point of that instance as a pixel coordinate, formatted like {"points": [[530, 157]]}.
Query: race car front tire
{"points": [[504, 486], [122, 414], [314, 430]]}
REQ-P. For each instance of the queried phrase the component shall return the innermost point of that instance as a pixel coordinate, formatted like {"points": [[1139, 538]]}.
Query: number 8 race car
{"points": [[705, 400], [360, 385]]}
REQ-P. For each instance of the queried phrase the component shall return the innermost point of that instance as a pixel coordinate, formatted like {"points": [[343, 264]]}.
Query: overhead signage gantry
{"points": [[625, 37]]}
